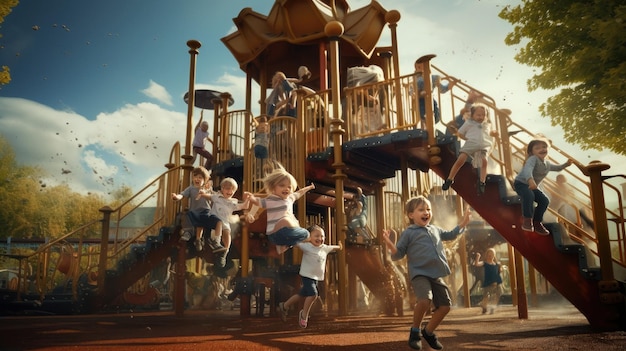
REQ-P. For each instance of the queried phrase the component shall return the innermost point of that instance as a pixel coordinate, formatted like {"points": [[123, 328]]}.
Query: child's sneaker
{"points": [[282, 311], [215, 246], [481, 187], [220, 262], [432, 341], [527, 225], [198, 244], [540, 229], [446, 185], [301, 320], [414, 339], [185, 235]]}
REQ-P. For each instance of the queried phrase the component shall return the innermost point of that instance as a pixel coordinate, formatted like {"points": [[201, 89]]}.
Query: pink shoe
{"points": [[302, 321]]}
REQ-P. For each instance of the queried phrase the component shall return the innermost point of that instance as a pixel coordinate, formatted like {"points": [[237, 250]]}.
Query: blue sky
{"points": [[97, 86]]}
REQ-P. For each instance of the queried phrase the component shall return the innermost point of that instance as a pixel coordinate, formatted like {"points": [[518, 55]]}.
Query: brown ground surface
{"points": [[548, 328]]}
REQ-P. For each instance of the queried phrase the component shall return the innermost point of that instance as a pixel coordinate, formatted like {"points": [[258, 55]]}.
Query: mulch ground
{"points": [[552, 328]]}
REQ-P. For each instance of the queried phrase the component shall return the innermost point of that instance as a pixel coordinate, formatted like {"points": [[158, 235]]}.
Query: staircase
{"points": [[563, 263]]}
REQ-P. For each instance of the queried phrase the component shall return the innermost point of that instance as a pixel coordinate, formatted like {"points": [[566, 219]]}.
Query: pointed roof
{"points": [[290, 35]]}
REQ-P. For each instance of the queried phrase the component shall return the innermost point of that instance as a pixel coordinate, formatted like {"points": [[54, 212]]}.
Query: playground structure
{"points": [[343, 137]]}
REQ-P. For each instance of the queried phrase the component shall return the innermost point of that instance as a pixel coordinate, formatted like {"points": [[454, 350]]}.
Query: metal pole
{"points": [[179, 277]]}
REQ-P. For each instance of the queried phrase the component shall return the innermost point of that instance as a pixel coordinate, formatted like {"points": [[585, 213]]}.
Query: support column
{"points": [[334, 30]]}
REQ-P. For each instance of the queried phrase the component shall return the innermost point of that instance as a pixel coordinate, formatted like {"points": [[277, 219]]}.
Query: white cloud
{"points": [[128, 146], [158, 92]]}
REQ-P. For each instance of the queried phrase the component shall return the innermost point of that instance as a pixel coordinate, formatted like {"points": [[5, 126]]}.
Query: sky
{"points": [[96, 97]]}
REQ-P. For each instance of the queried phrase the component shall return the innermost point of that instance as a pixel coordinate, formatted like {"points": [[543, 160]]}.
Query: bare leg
{"points": [[421, 306], [292, 300], [436, 318], [308, 303], [226, 238], [483, 170], [457, 165], [198, 233], [217, 233]]}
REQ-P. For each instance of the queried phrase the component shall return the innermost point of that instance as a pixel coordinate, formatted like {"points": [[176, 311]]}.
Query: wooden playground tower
{"points": [[321, 143]]}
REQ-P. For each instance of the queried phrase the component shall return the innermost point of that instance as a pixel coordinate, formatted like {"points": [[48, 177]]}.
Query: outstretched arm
{"points": [[303, 191], [390, 245], [466, 218], [199, 123], [251, 199]]}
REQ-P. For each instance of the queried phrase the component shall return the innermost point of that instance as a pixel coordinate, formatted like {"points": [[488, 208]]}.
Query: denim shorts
{"points": [[309, 287], [202, 219], [288, 236]]}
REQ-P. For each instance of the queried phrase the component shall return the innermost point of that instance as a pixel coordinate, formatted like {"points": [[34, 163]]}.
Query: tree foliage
{"points": [[579, 47], [6, 7], [30, 210]]}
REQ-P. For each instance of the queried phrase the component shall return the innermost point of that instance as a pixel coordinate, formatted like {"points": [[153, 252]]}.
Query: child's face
{"points": [[317, 237], [283, 189], [489, 255], [204, 127], [228, 190], [479, 114], [540, 150], [198, 180], [421, 215]]}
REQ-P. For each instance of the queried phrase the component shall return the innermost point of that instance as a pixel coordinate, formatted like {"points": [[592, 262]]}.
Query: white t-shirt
{"points": [[314, 259]]}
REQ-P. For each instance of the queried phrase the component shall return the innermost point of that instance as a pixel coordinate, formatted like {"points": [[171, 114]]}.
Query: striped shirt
{"points": [[278, 208]]}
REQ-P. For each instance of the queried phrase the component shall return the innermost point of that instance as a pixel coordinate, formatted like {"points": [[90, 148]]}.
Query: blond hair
{"points": [[229, 181], [278, 175], [476, 106]]}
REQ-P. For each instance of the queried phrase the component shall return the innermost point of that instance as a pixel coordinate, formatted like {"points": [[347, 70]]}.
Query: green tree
{"points": [[6, 7], [579, 47], [30, 210], [19, 190]]}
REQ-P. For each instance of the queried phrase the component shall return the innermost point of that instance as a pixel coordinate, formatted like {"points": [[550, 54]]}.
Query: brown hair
{"points": [[203, 172], [414, 203], [532, 143], [474, 107]]}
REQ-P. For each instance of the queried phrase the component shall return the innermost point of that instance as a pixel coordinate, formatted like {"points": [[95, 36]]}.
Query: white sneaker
{"points": [[185, 235]]}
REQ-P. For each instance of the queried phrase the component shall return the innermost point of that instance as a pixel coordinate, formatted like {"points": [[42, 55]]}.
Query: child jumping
{"points": [[199, 207], [526, 185], [283, 228], [422, 244], [312, 270], [478, 136], [223, 207]]}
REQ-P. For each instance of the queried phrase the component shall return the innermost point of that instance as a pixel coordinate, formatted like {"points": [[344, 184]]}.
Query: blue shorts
{"points": [[432, 289], [309, 287], [288, 236], [202, 219]]}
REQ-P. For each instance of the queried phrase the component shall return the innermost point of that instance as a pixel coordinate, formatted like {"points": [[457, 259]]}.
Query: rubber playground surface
{"points": [[547, 328]]}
